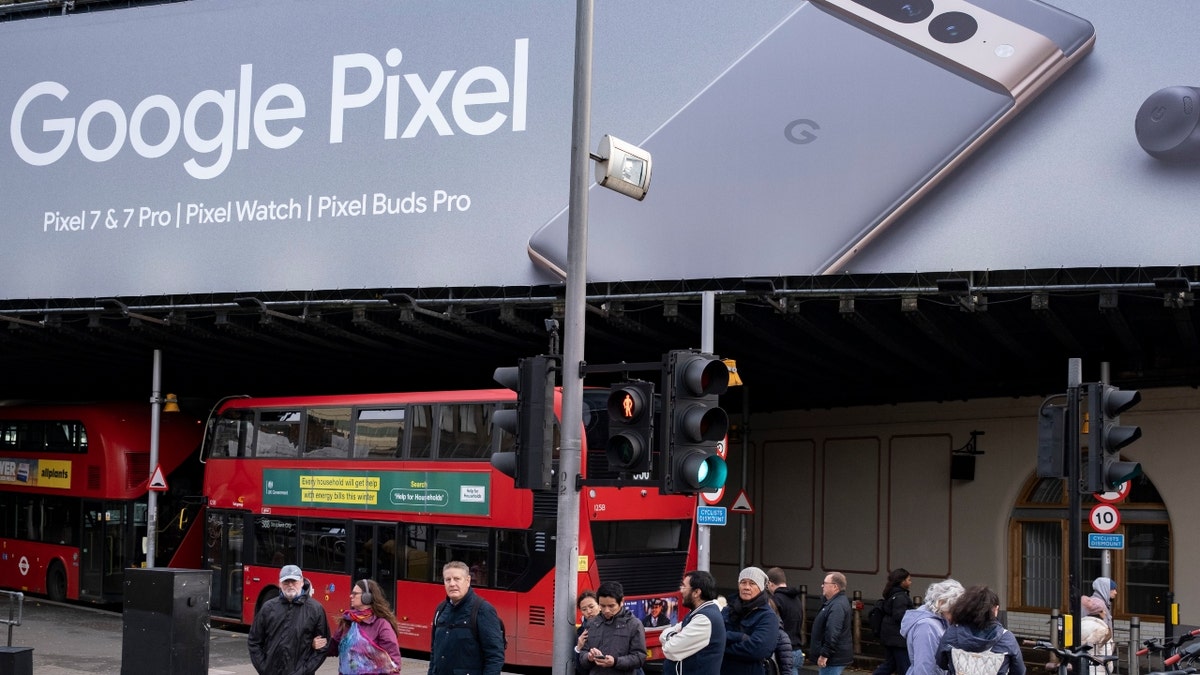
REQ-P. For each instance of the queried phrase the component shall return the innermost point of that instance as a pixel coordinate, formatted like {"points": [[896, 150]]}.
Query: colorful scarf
{"points": [[357, 653]]}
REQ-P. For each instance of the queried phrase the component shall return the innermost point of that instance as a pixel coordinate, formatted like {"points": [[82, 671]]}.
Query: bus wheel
{"points": [[266, 596], [56, 582]]}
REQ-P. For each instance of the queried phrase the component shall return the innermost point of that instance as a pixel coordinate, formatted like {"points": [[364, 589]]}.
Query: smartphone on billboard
{"points": [[821, 135]]}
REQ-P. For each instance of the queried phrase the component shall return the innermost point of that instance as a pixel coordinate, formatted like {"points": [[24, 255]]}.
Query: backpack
{"points": [[964, 662], [875, 617], [474, 620]]}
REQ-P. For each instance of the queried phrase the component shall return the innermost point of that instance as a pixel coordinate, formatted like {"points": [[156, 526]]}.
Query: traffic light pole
{"points": [[1074, 502], [569, 453], [703, 532]]}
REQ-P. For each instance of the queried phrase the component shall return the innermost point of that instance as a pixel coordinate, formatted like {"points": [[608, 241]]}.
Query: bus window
{"points": [[274, 541], [420, 446], [513, 556], [60, 526], [278, 433], [323, 545], [8, 515], [469, 545], [60, 437], [640, 536], [328, 433], [31, 437], [416, 554], [466, 431], [378, 433], [229, 436]]}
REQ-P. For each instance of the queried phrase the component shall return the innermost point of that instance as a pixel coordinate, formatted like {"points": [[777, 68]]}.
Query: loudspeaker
{"points": [[962, 467]]}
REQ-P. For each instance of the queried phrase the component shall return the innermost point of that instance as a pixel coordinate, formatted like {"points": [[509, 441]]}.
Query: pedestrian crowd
{"points": [[956, 631]]}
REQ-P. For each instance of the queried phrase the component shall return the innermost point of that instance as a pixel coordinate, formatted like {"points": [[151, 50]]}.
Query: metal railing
{"points": [[16, 603]]}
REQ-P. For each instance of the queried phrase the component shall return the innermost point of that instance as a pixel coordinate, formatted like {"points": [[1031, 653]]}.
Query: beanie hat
{"points": [[756, 575], [1112, 584]]}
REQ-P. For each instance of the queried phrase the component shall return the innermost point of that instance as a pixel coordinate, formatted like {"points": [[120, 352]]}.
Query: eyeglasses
{"points": [[828, 583], [355, 592]]}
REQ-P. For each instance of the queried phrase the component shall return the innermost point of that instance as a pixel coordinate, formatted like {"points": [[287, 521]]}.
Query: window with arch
{"points": [[1038, 549]]}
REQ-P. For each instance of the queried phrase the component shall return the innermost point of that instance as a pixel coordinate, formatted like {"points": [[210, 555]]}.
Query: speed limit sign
{"points": [[1105, 518]]}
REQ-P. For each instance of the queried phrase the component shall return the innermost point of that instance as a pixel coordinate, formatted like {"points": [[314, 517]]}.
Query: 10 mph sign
{"points": [[1105, 518]]}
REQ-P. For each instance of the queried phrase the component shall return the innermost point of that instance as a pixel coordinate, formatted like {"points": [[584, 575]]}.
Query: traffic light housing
{"points": [[530, 462], [630, 427], [693, 423], [1052, 448], [1106, 437]]}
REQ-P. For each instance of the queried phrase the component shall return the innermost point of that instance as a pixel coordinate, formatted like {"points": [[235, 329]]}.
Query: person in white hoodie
{"points": [[922, 628]]}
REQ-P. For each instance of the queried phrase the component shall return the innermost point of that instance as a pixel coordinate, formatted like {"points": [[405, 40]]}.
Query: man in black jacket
{"points": [[787, 600], [831, 644], [281, 637]]}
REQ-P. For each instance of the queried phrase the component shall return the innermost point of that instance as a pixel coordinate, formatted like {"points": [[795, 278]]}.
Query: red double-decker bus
{"points": [[73, 497], [393, 486]]}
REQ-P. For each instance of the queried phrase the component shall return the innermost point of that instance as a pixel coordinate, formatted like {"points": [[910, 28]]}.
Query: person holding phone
{"points": [[616, 640]]}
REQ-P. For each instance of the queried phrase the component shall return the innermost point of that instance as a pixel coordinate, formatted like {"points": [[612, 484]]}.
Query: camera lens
{"points": [[952, 27], [911, 11]]}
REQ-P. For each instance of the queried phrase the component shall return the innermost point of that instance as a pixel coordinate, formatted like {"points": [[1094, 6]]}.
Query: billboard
{"points": [[231, 146]]}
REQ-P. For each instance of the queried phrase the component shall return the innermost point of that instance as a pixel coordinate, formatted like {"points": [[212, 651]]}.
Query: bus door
{"points": [[223, 555], [375, 555], [103, 550]]}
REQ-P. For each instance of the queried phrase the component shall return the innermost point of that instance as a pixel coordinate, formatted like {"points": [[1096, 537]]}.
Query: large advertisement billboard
{"points": [[231, 146]]}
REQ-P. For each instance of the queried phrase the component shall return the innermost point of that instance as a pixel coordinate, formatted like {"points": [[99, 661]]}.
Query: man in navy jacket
{"points": [[468, 638]]}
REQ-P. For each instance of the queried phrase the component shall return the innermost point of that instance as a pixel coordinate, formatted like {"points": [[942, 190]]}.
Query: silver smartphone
{"points": [[822, 135]]}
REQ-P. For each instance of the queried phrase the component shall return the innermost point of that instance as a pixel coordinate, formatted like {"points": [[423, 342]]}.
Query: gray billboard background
{"points": [[1064, 185]]}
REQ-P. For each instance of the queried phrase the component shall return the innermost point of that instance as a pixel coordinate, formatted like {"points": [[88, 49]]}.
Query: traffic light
{"points": [[1106, 437], [693, 423], [530, 463], [630, 427], [1052, 447]]}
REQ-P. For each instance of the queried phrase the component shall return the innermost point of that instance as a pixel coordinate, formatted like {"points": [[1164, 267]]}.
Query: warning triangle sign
{"points": [[158, 483], [742, 504]]}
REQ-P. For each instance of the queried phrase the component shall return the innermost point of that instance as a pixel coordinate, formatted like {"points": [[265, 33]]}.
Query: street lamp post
{"points": [[569, 460]]}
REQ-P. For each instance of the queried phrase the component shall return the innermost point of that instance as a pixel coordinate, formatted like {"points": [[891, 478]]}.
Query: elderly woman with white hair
{"points": [[922, 628]]}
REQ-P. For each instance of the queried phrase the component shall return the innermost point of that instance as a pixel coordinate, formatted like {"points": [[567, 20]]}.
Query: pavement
{"points": [[72, 639], [80, 640]]}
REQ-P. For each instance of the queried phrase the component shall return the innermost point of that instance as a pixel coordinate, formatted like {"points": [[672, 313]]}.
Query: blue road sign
{"points": [[1113, 541], [711, 515]]}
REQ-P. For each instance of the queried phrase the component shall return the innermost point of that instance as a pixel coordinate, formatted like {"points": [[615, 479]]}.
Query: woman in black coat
{"points": [[896, 601]]}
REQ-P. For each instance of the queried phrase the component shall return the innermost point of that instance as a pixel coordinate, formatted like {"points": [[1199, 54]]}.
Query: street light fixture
{"points": [[623, 167]]}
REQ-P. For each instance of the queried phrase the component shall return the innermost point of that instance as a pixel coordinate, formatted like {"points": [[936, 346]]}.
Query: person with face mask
{"points": [[284, 634]]}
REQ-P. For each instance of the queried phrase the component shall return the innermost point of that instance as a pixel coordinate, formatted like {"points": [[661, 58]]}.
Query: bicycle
{"points": [[1164, 648], [1071, 656]]}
